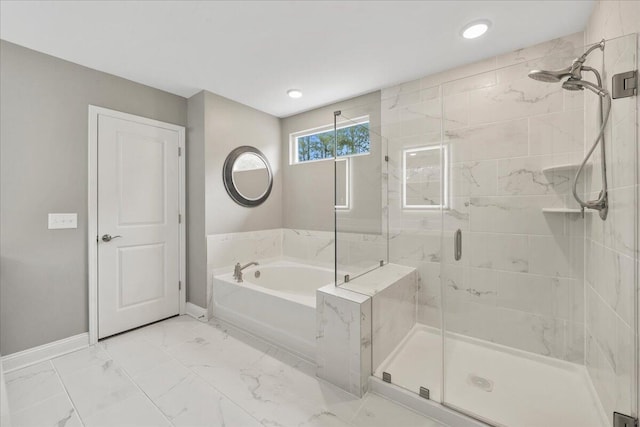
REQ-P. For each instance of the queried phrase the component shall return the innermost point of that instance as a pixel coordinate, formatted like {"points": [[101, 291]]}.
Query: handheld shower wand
{"points": [[571, 78]]}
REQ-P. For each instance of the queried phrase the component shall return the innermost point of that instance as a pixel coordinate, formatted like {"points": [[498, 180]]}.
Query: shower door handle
{"points": [[457, 245]]}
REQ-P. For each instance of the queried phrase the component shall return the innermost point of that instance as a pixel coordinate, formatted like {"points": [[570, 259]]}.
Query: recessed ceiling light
{"points": [[294, 93], [475, 29]]}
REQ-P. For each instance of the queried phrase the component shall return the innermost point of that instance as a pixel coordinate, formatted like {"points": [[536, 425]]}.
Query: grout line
{"points": [[124, 370], [192, 372], [66, 392], [264, 353]]}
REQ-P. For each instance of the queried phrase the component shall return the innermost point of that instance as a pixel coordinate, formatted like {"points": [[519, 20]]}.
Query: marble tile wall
{"points": [[225, 250], [394, 314], [611, 252], [343, 353], [359, 252], [393, 290], [519, 282]]}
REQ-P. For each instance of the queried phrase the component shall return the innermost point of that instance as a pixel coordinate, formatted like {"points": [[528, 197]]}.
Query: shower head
{"points": [[573, 72], [550, 76], [572, 84], [576, 84]]}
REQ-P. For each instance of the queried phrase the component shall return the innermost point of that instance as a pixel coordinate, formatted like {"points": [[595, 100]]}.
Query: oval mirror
{"points": [[247, 176]]}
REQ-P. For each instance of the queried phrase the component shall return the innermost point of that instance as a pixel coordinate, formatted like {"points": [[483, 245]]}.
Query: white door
{"points": [[138, 227]]}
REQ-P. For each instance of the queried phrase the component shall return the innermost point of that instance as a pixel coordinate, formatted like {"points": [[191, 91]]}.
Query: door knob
{"points": [[108, 238]]}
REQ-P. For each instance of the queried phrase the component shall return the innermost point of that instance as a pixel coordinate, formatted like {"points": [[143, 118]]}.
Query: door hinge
{"points": [[624, 84], [179, 285], [386, 158], [622, 420], [179, 151], [179, 218]]}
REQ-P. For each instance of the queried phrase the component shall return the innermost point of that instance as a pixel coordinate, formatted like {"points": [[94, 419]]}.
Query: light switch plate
{"points": [[63, 220]]}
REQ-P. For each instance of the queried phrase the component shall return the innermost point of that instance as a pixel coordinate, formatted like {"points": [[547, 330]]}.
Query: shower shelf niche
{"points": [[563, 168]]}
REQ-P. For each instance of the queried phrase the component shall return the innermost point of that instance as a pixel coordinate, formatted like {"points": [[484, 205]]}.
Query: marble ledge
{"points": [[377, 280], [341, 292]]}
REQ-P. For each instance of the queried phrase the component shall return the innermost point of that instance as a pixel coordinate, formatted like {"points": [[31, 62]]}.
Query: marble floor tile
{"points": [[160, 380], [278, 393], [56, 411], [182, 372], [137, 411], [134, 355], [193, 402], [97, 387], [376, 411], [167, 334], [81, 359], [33, 384]]}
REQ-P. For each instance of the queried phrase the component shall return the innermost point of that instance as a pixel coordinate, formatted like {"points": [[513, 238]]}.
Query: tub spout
{"points": [[237, 270]]}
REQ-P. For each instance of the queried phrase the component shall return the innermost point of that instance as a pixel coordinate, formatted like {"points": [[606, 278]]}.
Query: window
{"points": [[318, 144], [425, 184]]}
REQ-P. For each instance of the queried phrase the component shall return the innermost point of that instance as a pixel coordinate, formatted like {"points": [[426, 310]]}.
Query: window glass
{"points": [[352, 140]]}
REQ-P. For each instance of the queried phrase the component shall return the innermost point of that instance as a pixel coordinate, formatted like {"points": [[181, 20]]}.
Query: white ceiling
{"points": [[253, 51]]}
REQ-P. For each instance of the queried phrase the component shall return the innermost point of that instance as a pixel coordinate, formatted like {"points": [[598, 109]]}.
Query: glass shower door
{"points": [[416, 186], [534, 332]]}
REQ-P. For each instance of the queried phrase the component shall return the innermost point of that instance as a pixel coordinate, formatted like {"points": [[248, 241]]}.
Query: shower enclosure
{"points": [[360, 192], [525, 311]]}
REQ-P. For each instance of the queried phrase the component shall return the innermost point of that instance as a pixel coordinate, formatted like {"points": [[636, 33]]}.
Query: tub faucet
{"points": [[237, 270]]}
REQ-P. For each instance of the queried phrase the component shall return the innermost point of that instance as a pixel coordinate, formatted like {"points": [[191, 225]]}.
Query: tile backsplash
{"points": [[308, 246]]}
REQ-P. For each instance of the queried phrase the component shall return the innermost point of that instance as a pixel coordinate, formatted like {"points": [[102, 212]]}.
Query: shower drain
{"points": [[257, 274], [481, 383]]}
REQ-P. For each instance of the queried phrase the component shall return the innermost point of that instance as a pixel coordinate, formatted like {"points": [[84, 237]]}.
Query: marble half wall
{"points": [[343, 339], [393, 291], [361, 322]]}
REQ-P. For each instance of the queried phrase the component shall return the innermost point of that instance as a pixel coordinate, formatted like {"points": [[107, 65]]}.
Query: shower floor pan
{"points": [[501, 385]]}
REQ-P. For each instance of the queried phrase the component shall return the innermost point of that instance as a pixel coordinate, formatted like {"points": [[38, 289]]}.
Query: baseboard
{"points": [[18, 360], [197, 312]]}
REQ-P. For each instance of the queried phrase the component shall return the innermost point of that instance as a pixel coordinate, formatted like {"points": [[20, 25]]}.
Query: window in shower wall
{"points": [[353, 139]]}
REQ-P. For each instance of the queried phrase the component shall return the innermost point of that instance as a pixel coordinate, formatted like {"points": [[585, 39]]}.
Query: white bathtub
{"points": [[279, 305]]}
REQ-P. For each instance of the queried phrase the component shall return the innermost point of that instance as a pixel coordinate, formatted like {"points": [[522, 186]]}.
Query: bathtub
{"points": [[276, 301]]}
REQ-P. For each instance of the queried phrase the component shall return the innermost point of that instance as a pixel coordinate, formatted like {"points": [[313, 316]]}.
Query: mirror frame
{"points": [[227, 177]]}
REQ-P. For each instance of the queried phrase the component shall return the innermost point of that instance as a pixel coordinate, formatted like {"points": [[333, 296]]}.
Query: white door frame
{"points": [[92, 241]]}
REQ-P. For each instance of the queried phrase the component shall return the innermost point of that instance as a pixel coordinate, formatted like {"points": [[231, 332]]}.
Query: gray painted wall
{"points": [[43, 168], [217, 125], [196, 235], [308, 187], [229, 124]]}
